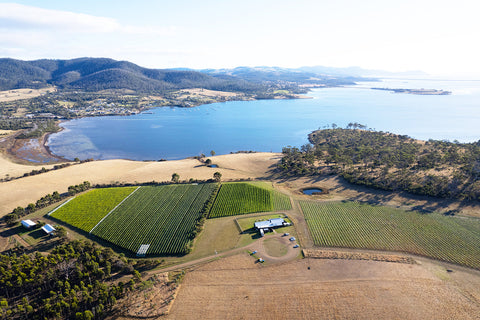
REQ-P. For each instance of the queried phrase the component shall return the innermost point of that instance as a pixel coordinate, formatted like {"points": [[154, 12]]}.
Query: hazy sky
{"points": [[439, 37]]}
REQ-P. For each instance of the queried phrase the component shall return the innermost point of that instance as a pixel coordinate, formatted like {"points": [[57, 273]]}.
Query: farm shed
{"points": [[263, 226], [48, 229], [28, 224]]}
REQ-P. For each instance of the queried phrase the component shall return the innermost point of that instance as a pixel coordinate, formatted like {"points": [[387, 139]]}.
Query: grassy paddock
{"points": [[275, 247], [353, 225], [218, 235]]}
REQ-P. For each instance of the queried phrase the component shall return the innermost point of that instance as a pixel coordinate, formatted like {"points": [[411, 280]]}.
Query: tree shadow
{"points": [[249, 231], [37, 234], [45, 246], [11, 231]]}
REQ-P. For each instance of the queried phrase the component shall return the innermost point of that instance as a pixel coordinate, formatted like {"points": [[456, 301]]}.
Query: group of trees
{"points": [[15, 124], [72, 190], [388, 161], [217, 176], [39, 128], [72, 282]]}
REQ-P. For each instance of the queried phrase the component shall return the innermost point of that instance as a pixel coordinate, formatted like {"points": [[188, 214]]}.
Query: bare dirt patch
{"points": [[237, 288], [276, 248]]}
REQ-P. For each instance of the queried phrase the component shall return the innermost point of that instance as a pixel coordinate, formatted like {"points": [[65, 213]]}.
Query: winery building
{"points": [[267, 225]]}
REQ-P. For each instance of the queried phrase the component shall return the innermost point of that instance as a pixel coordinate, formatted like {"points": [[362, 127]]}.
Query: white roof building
{"points": [[48, 229], [28, 224], [272, 223]]}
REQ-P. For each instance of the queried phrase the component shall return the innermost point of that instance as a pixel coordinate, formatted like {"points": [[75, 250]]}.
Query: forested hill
{"points": [[94, 74], [390, 162]]}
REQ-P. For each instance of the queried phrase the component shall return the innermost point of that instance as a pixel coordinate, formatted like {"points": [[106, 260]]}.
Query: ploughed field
{"points": [[163, 220], [353, 225]]}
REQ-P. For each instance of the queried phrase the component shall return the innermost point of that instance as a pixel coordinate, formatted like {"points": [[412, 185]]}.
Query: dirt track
{"points": [[258, 246]]}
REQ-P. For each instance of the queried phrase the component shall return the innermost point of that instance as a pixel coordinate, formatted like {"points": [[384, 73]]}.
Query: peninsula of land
{"points": [[431, 92]]}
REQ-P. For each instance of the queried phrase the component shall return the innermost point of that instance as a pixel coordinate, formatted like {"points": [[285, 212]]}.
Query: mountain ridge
{"points": [[95, 74]]}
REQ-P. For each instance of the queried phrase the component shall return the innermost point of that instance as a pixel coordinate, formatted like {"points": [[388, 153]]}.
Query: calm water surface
{"points": [[269, 125]]}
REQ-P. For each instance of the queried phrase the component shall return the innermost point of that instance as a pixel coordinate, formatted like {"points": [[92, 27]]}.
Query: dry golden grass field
{"points": [[12, 169], [18, 94], [238, 288]]}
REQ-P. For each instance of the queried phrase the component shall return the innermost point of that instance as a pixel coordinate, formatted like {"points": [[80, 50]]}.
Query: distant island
{"points": [[430, 92]]}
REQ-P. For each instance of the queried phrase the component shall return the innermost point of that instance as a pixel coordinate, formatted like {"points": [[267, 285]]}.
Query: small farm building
{"points": [[48, 229], [263, 226], [28, 224], [142, 251]]}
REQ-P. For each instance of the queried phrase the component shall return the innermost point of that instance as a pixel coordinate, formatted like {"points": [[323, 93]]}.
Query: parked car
{"points": [[286, 234], [296, 246], [292, 239]]}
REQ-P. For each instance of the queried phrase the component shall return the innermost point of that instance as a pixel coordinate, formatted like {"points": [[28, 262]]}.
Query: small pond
{"points": [[312, 191], [213, 166]]}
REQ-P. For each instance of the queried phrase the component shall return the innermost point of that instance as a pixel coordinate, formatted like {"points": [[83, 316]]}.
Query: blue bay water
{"points": [[268, 125]]}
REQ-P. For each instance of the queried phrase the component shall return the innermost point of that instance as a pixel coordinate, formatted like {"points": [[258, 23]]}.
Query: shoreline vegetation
{"points": [[387, 161]]}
